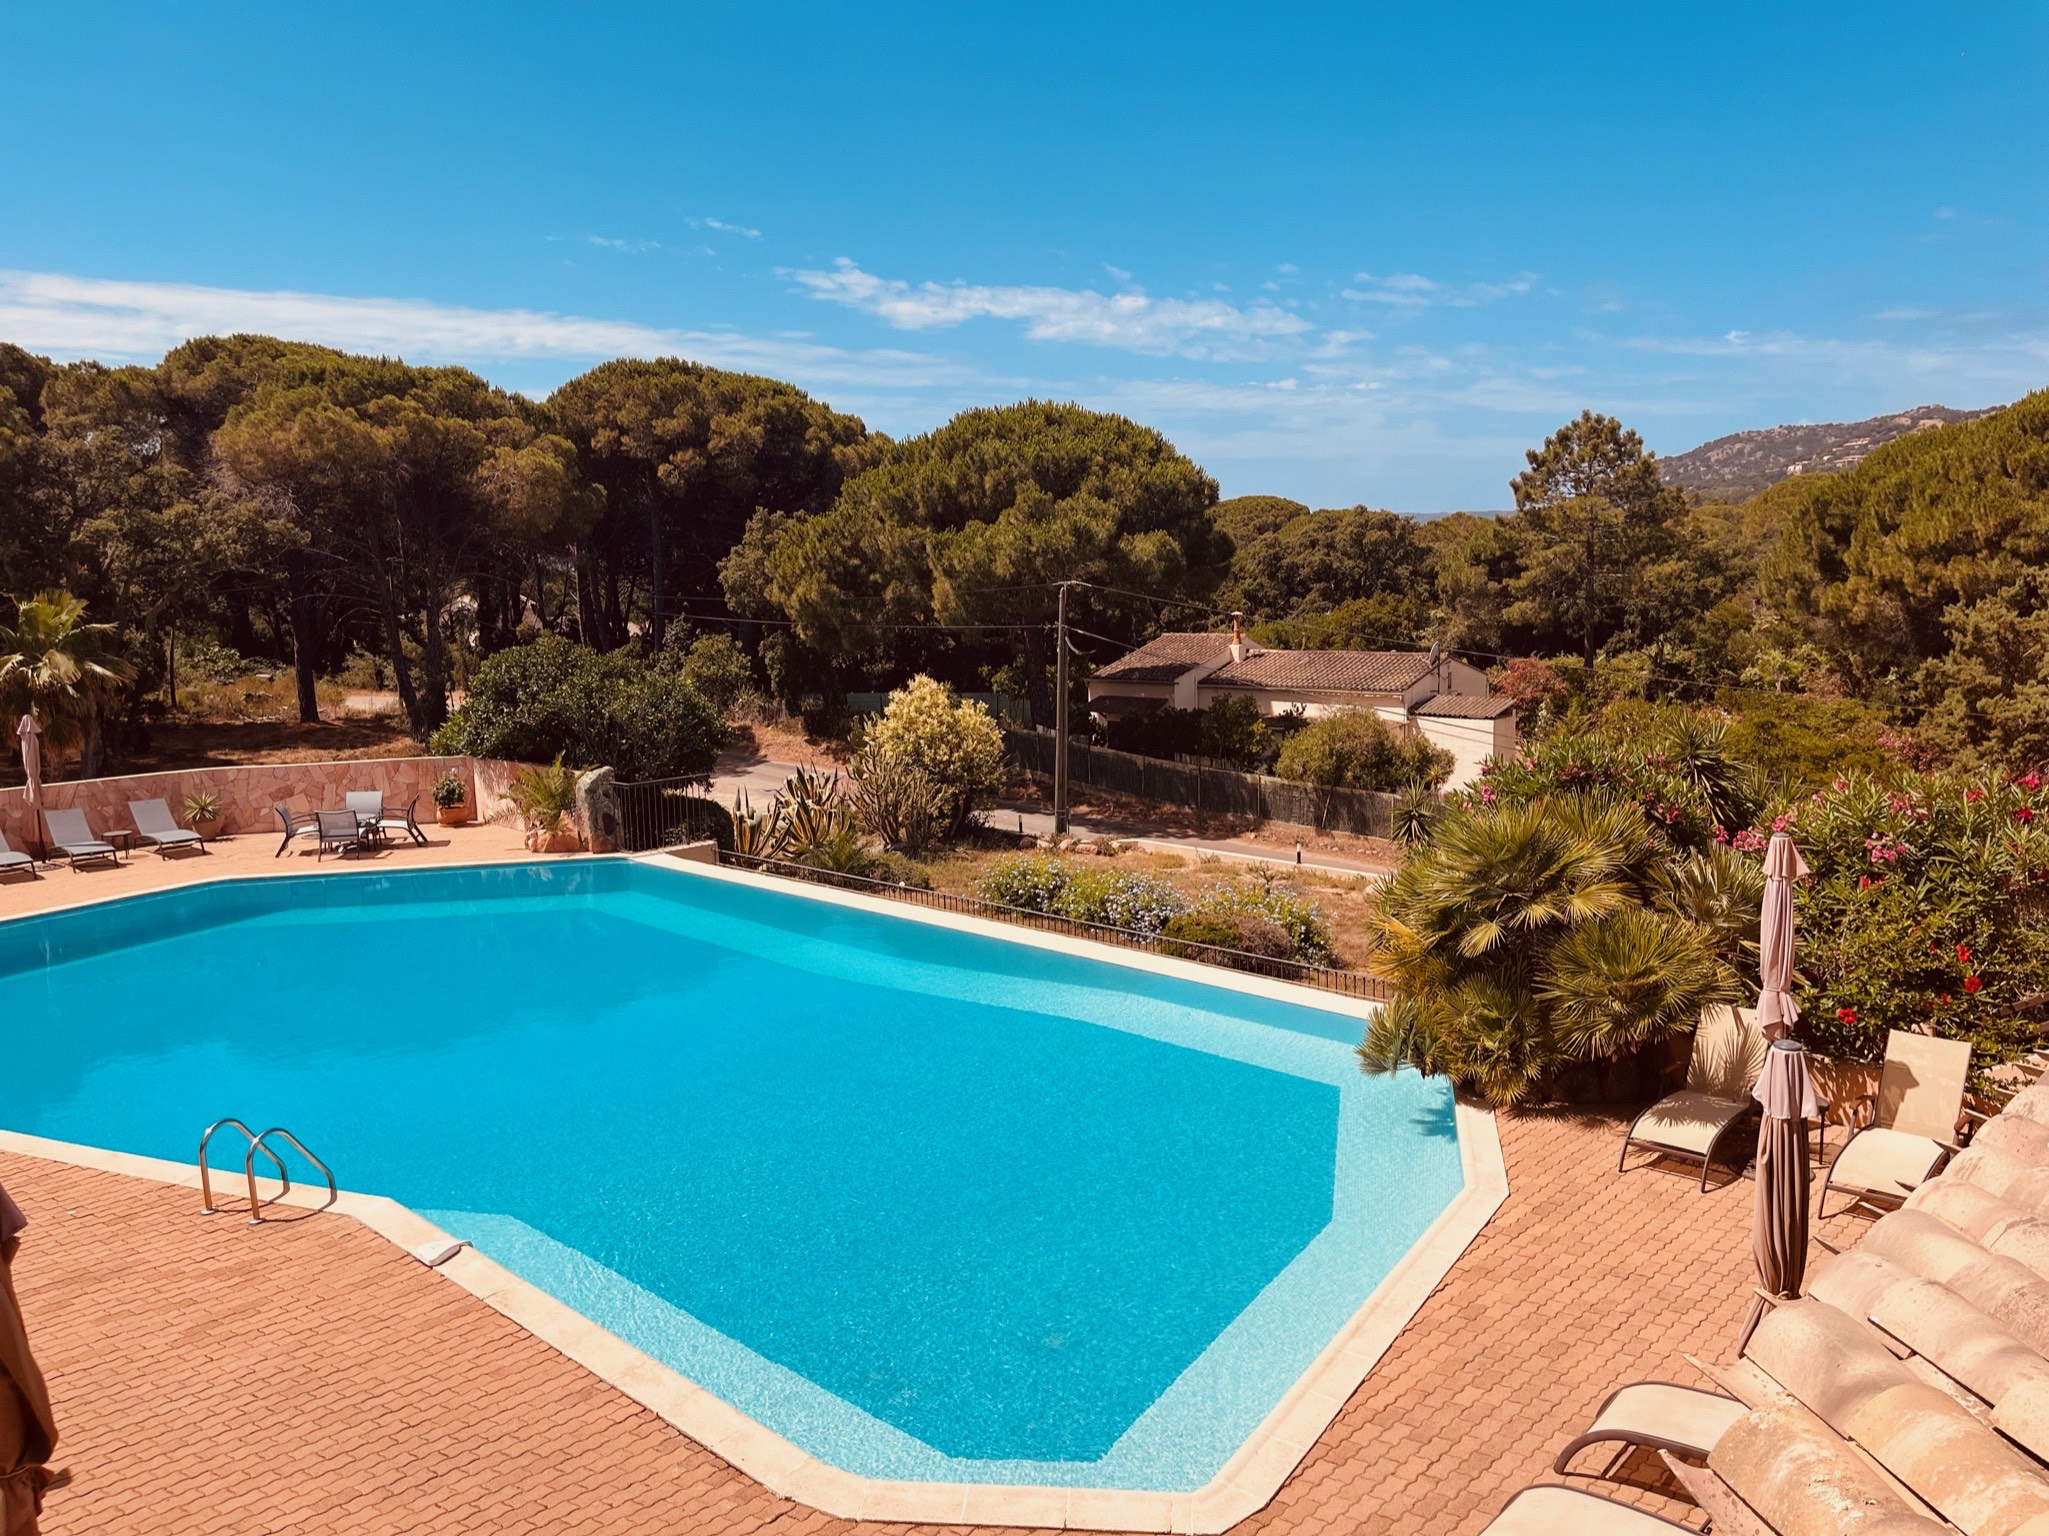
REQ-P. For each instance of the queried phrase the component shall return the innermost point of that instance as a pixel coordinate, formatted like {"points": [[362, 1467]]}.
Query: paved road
{"points": [[762, 777]]}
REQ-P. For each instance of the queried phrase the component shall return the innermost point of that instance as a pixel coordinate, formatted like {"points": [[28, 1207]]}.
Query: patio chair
{"points": [[154, 825], [1728, 1053], [1661, 1415], [339, 830], [295, 824], [70, 836], [390, 822], [367, 806], [1909, 1126], [13, 858], [1552, 1509]]}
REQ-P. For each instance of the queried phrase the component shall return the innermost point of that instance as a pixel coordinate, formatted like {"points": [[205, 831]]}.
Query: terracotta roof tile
{"points": [[1163, 659], [1466, 706], [1325, 671]]}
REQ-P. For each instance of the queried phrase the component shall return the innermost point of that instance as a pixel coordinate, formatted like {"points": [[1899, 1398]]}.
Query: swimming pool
{"points": [[930, 1204]]}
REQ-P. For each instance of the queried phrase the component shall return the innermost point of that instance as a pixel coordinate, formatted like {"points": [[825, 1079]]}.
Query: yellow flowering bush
{"points": [[952, 745]]}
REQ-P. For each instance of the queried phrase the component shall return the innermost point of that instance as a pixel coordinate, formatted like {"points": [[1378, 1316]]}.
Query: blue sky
{"points": [[1346, 253]]}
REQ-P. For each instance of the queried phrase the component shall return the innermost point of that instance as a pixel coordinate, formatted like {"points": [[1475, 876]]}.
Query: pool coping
{"points": [[1247, 1482]]}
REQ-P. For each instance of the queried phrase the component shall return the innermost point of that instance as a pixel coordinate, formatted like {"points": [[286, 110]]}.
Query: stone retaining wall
{"points": [[248, 791]]}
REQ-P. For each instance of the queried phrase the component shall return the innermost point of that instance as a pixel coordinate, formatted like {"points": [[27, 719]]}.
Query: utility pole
{"points": [[1060, 715]]}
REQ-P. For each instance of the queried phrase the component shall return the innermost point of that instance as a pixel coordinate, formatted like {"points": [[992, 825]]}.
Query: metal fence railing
{"points": [[1198, 786], [1322, 977], [660, 813]]}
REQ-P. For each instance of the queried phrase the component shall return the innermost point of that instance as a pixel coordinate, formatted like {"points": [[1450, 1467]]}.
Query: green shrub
{"points": [[1032, 881], [1675, 765], [1927, 908], [554, 698], [1242, 932], [1233, 731], [1279, 904], [1039, 882], [1120, 898], [719, 670], [1359, 751], [953, 746]]}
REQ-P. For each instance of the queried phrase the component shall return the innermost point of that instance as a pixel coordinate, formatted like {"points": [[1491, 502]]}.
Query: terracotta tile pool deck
{"points": [[306, 1376]]}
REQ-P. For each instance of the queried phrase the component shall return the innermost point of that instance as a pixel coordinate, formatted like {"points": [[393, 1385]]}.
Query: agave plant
{"points": [[813, 808], [900, 803], [761, 834]]}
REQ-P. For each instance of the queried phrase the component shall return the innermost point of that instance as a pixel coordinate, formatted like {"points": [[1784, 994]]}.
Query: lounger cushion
{"points": [[9, 857], [80, 850], [1657, 1411], [1688, 1121], [173, 835], [1885, 1162], [1548, 1510]]}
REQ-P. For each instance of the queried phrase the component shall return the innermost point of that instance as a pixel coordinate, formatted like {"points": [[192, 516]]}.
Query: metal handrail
{"points": [[205, 1178], [249, 1169]]}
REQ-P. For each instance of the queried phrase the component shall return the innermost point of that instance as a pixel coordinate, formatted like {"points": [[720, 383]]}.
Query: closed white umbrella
{"points": [[31, 736]]}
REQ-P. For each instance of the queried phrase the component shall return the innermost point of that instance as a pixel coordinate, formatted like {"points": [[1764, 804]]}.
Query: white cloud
{"points": [[1412, 290], [633, 247], [727, 229], [1134, 320], [106, 318]]}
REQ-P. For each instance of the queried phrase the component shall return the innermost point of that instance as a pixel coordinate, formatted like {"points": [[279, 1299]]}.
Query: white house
{"points": [[1447, 701]]}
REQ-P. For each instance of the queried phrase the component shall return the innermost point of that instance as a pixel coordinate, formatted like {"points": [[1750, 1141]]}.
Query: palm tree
{"points": [[1523, 937], [64, 670]]}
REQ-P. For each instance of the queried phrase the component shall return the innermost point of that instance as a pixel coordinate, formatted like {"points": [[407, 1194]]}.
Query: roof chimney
{"points": [[1237, 635]]}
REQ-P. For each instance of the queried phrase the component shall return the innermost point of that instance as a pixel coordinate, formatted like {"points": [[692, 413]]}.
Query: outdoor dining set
{"points": [[364, 822]]}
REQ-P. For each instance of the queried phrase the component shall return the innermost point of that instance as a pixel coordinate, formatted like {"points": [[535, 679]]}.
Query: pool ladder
{"points": [[257, 1143]]}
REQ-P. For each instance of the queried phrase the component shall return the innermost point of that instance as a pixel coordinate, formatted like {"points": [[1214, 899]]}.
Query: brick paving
{"points": [[222, 1380]]}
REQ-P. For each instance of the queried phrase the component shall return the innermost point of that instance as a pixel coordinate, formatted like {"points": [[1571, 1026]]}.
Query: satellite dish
{"points": [[1436, 652]]}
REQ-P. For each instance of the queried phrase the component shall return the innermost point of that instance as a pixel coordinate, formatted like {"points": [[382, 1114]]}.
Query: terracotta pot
{"points": [[451, 815], [208, 829]]}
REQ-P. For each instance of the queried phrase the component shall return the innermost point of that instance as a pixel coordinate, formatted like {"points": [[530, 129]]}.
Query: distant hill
{"points": [[1744, 463]]}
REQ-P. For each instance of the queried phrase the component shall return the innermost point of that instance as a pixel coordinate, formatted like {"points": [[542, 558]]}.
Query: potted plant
{"points": [[203, 813], [451, 800], [544, 798]]}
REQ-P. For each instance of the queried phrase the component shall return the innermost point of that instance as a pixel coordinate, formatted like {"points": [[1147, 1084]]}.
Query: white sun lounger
{"points": [[155, 825], [1728, 1053], [1661, 1415], [1911, 1122], [13, 858], [1551, 1509], [70, 836]]}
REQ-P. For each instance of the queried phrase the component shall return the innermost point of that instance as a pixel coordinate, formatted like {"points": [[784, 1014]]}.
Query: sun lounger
{"points": [[13, 858], [339, 830], [1552, 1509], [1661, 1415], [1728, 1053], [154, 824], [70, 836], [1911, 1122], [299, 824]]}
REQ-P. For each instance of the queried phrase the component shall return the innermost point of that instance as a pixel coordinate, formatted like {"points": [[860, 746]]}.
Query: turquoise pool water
{"points": [[932, 1205]]}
